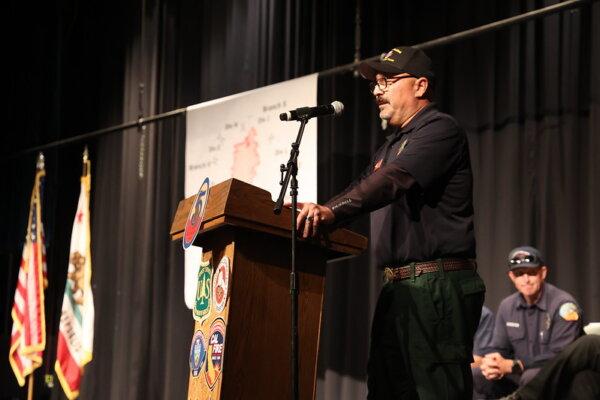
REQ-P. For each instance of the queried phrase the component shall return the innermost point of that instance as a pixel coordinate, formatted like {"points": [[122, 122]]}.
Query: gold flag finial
{"points": [[86, 161], [40, 161]]}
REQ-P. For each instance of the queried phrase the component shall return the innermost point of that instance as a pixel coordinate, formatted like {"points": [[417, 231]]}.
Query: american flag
{"points": [[28, 338]]}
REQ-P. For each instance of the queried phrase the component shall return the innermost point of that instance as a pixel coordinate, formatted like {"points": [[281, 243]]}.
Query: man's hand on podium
{"points": [[310, 217]]}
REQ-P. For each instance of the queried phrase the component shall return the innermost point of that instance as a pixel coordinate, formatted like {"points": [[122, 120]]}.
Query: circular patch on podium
{"points": [[216, 351], [221, 284], [197, 353], [203, 292], [192, 225]]}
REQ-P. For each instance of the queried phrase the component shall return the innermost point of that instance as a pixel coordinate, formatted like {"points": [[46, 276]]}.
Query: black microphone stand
{"points": [[291, 172]]}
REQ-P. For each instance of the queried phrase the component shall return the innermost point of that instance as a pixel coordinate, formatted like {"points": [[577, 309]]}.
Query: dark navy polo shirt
{"points": [[419, 186], [535, 333], [483, 336]]}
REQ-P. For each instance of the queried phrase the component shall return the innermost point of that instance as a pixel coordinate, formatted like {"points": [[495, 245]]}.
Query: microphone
{"points": [[336, 108]]}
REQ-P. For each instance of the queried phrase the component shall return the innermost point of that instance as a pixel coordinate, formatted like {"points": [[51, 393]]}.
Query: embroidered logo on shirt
{"points": [[378, 165], [569, 312], [402, 146], [513, 324]]}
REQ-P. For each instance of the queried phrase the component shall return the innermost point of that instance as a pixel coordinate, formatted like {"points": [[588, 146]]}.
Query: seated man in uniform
{"points": [[532, 326]]}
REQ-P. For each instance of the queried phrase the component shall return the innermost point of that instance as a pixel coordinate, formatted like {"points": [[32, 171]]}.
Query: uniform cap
{"points": [[399, 60], [525, 257]]}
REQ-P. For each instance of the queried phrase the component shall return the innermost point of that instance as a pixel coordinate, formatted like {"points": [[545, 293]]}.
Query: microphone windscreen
{"points": [[338, 108]]}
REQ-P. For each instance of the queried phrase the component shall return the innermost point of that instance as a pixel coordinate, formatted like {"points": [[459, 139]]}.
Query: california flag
{"points": [[28, 337], [76, 333]]}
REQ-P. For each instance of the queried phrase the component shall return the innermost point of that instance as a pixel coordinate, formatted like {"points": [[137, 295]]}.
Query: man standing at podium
{"points": [[419, 190]]}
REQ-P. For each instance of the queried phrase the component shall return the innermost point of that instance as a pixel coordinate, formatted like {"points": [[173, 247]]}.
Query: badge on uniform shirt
{"points": [[569, 311], [512, 324], [402, 146], [547, 322]]}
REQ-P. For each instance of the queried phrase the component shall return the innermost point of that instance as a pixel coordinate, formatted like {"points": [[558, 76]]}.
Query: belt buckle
{"points": [[388, 275], [418, 270]]}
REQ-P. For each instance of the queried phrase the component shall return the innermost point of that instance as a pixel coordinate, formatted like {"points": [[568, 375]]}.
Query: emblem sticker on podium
{"points": [[192, 225], [203, 292], [197, 353], [221, 284], [216, 351]]}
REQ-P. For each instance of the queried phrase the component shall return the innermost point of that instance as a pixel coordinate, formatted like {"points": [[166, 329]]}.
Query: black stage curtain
{"points": [[527, 97]]}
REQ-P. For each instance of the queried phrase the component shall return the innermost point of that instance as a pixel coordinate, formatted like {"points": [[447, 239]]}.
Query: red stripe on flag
{"points": [[22, 290], [17, 359], [38, 288], [68, 365], [19, 363], [26, 322], [19, 314]]}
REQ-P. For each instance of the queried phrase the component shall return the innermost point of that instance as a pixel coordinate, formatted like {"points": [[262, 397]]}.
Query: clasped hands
{"points": [[494, 366]]}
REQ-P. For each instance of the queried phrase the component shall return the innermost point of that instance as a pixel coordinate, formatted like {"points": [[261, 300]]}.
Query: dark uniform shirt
{"points": [[483, 336], [420, 184], [535, 333]]}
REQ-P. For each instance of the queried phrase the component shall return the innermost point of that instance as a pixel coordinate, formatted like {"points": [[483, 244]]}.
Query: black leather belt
{"points": [[449, 264]]}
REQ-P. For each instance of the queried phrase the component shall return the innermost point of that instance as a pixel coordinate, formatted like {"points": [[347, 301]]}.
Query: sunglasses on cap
{"points": [[523, 259]]}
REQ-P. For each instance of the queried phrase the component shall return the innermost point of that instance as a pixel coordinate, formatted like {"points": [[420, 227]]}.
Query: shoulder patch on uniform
{"points": [[569, 311]]}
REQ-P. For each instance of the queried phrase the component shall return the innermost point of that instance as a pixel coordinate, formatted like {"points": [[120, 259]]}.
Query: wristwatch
{"points": [[516, 367]]}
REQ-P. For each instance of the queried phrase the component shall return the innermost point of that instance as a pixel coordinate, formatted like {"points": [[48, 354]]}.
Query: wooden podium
{"points": [[245, 352]]}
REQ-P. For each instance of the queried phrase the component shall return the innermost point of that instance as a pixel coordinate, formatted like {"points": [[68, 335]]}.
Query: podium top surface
{"points": [[237, 203]]}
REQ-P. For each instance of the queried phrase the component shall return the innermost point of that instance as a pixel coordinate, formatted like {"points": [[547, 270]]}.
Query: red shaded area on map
{"points": [[246, 158]]}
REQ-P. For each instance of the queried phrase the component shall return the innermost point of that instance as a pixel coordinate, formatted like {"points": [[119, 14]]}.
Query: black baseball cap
{"points": [[525, 257], [399, 60]]}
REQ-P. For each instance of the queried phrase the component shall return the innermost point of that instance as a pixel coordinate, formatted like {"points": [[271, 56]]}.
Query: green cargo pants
{"points": [[422, 337]]}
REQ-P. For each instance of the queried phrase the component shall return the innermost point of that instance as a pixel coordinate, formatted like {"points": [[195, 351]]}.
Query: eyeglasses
{"points": [[383, 83], [526, 271], [523, 259]]}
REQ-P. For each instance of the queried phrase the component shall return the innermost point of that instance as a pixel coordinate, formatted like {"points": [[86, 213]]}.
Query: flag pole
{"points": [[30, 386], [40, 164]]}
